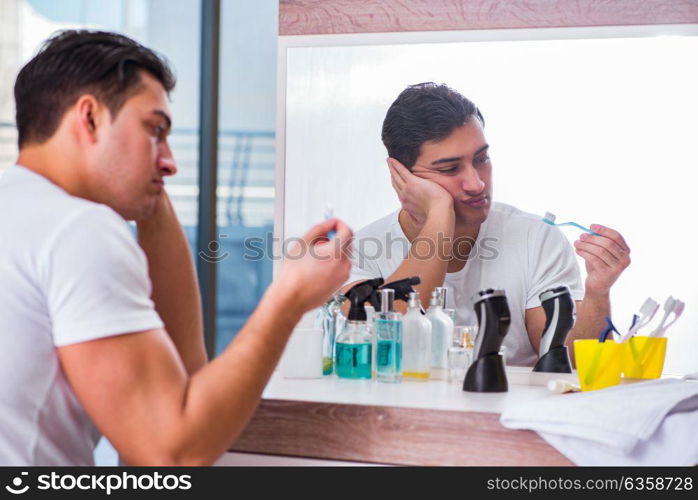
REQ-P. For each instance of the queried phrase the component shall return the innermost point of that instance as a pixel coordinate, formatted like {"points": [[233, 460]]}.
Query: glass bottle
{"points": [[388, 335], [458, 357], [416, 342], [354, 351], [331, 320], [441, 334]]}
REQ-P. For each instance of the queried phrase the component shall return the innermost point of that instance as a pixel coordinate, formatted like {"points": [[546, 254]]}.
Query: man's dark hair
{"points": [[76, 62], [424, 112]]}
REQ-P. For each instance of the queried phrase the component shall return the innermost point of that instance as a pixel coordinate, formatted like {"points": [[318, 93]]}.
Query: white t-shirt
{"points": [[514, 251], [70, 271]]}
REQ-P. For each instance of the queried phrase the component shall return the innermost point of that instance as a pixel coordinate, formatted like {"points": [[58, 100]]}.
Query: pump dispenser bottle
{"points": [[388, 332], [441, 332], [353, 348], [403, 288], [416, 342]]}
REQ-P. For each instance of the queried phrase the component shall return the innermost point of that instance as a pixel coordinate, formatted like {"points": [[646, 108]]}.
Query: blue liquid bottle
{"points": [[354, 351], [388, 331], [354, 346]]}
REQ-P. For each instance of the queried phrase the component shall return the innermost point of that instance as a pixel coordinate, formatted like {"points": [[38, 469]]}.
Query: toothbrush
{"points": [[671, 305], [329, 213], [642, 318], [594, 365], [675, 306], [678, 311], [624, 337], [647, 311], [631, 332], [550, 219]]}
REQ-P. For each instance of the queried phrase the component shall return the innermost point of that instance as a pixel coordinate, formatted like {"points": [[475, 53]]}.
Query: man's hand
{"points": [[417, 196], [316, 267], [163, 214], [606, 256]]}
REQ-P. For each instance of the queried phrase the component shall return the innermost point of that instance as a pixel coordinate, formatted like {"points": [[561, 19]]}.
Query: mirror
{"points": [[593, 125]]}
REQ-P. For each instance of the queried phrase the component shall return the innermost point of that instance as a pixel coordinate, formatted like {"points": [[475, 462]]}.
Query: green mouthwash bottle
{"points": [[354, 349]]}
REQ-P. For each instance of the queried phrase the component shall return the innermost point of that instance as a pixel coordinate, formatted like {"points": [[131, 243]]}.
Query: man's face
{"points": [[461, 165], [132, 155]]}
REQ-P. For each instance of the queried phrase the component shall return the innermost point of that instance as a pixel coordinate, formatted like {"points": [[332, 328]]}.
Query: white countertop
{"points": [[524, 386]]}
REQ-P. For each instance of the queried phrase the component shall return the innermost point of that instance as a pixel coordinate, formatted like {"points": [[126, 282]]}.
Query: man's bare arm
{"points": [[139, 394], [420, 260], [589, 324], [175, 286], [429, 208]]}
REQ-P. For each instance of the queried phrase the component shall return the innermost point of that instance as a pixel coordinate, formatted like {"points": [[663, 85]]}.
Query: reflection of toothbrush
{"points": [[329, 213], [594, 365], [550, 219], [642, 318], [671, 305]]}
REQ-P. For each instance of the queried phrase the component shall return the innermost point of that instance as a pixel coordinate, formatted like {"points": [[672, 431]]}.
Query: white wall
{"points": [[597, 130]]}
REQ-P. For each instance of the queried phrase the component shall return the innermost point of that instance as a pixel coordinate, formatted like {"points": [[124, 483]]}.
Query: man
{"points": [[101, 335], [454, 235]]}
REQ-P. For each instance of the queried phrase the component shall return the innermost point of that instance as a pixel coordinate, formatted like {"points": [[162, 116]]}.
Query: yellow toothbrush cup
{"points": [[599, 364], [643, 357]]}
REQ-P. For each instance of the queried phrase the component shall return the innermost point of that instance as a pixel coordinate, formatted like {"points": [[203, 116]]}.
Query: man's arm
{"points": [[590, 322], [137, 391], [606, 256], [175, 287], [430, 209]]}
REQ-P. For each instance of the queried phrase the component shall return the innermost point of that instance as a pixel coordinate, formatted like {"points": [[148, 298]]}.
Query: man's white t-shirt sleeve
{"points": [[96, 279], [553, 263]]}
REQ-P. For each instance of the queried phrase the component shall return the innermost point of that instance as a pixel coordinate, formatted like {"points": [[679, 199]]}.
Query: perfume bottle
{"points": [[469, 333], [388, 335], [416, 341], [370, 321], [458, 357], [443, 294], [441, 334]]}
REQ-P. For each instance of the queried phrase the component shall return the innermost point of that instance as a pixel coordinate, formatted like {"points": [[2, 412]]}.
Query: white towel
{"points": [[645, 423]]}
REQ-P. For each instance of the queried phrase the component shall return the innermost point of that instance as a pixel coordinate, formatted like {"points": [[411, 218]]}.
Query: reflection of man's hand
{"points": [[418, 196], [606, 256]]}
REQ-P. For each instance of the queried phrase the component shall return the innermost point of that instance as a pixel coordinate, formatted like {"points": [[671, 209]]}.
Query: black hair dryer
{"points": [[486, 373], [560, 314]]}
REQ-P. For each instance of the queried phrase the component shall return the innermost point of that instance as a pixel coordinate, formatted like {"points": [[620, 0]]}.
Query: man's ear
{"points": [[91, 116]]}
